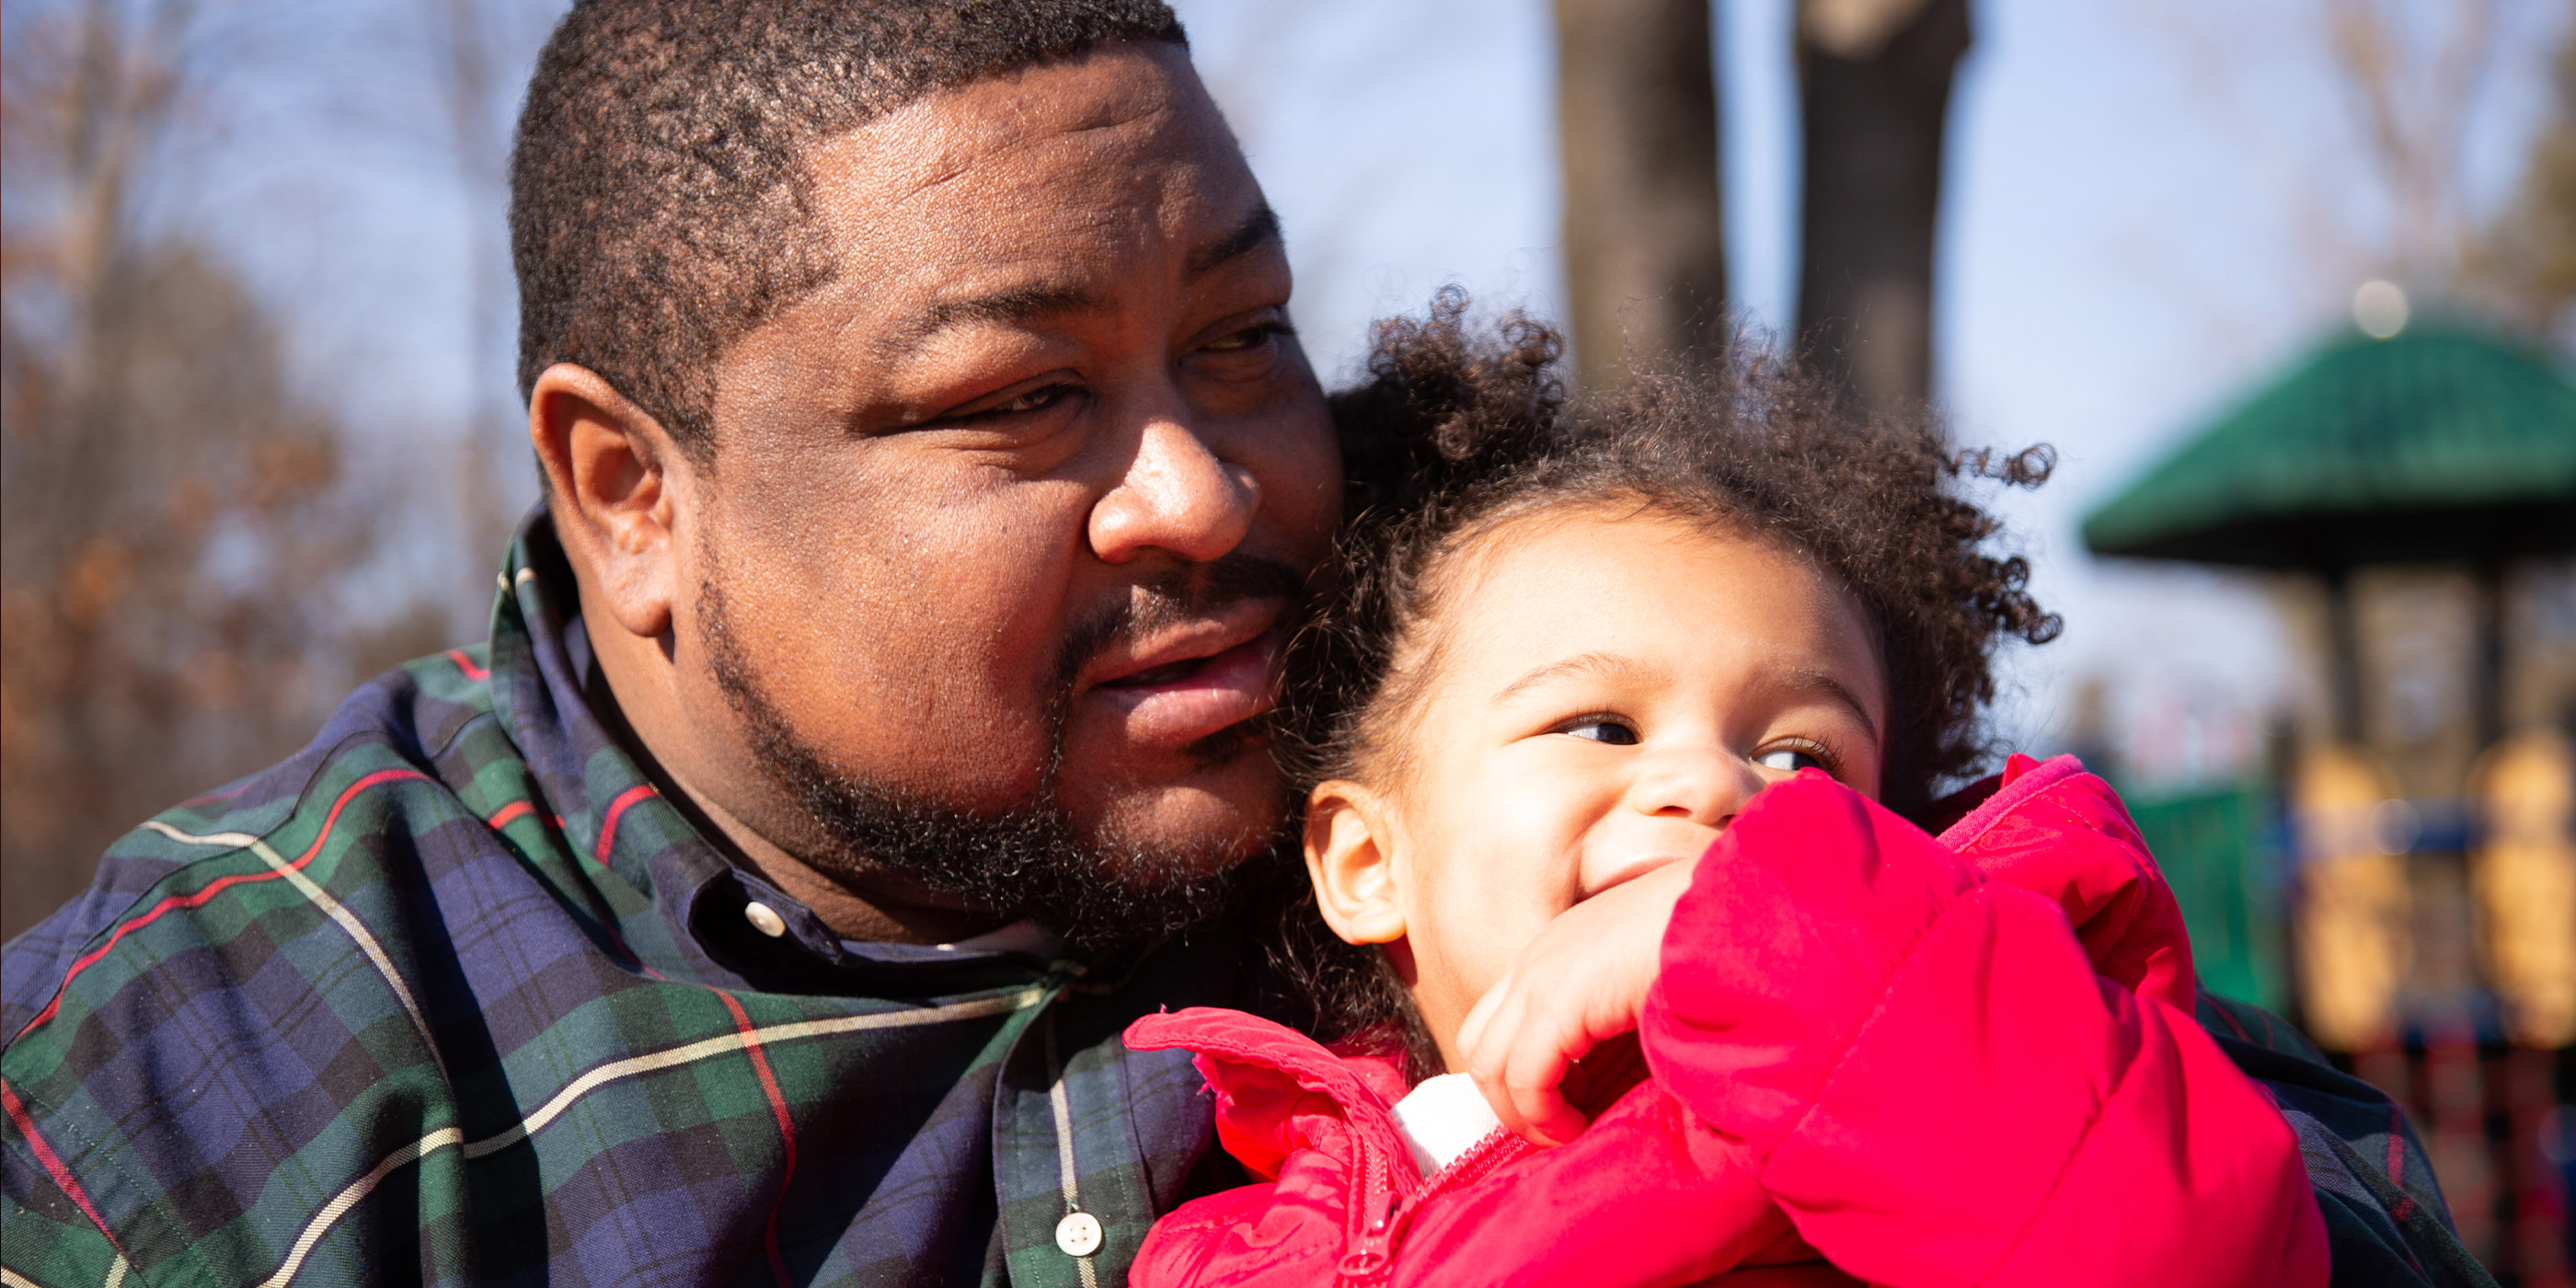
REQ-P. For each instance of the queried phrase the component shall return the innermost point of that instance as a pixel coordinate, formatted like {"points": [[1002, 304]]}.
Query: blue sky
{"points": [[2149, 205]]}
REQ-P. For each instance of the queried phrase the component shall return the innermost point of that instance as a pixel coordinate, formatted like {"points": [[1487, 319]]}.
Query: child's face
{"points": [[1609, 689]]}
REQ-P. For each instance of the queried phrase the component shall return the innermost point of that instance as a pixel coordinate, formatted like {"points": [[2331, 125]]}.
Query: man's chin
{"points": [[1146, 872], [1111, 900], [1227, 809], [1149, 864], [1101, 765]]}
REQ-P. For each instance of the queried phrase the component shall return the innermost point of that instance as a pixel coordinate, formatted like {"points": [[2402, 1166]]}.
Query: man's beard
{"points": [[1108, 898]]}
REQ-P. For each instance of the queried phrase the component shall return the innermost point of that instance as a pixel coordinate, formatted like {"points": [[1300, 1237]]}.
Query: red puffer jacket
{"points": [[1963, 1061]]}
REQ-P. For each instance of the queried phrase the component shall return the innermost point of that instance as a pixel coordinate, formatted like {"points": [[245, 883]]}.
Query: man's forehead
{"points": [[1032, 302], [1001, 197], [1023, 201], [1127, 117]]}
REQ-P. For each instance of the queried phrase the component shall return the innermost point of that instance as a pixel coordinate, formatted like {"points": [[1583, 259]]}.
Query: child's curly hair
{"points": [[1456, 433]]}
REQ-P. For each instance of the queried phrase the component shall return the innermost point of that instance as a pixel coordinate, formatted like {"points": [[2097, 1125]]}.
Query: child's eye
{"points": [[1790, 759], [1609, 729]]}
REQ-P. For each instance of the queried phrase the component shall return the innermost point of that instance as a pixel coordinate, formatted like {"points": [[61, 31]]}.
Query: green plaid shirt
{"points": [[454, 996]]}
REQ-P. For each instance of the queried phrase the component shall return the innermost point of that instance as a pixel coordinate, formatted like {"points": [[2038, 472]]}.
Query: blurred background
{"points": [[2290, 285]]}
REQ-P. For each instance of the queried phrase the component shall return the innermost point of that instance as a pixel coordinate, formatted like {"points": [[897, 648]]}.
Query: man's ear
{"points": [[1350, 857], [610, 479]]}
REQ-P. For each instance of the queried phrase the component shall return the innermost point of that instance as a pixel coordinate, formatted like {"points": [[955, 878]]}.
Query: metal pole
{"points": [[2343, 647], [2489, 662]]}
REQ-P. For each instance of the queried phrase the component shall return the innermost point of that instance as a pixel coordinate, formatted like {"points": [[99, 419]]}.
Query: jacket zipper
{"points": [[1383, 1219], [1469, 1166], [1372, 1247]]}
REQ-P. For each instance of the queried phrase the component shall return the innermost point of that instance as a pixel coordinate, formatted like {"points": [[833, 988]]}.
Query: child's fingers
{"points": [[1471, 1031], [1581, 981], [1485, 1042], [1517, 1047], [1532, 1082]]}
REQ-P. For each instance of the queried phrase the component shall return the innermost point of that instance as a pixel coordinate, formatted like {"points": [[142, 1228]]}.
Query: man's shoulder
{"points": [[2386, 1219], [419, 724], [245, 966]]}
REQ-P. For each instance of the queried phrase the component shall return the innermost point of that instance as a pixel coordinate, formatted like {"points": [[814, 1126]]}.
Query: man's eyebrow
{"points": [[1015, 305], [1257, 229], [1036, 302], [1601, 664]]}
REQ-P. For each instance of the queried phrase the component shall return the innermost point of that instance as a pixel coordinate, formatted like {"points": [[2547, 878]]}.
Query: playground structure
{"points": [[2420, 926]]}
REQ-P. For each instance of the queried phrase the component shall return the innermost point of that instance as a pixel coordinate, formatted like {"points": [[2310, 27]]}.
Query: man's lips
{"points": [[1195, 682]]}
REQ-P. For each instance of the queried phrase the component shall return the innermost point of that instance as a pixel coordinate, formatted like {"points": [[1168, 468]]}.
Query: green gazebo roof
{"points": [[2440, 444]]}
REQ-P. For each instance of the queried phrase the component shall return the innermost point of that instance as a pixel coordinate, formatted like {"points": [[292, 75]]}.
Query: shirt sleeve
{"points": [[2387, 1225], [45, 1235]]}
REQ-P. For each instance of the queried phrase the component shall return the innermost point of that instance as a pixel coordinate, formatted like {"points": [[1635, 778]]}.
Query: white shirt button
{"points": [[1078, 1234], [764, 919]]}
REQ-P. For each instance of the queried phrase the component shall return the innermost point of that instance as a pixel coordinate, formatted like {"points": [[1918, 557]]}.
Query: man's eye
{"points": [[1034, 400], [1609, 729], [1790, 759], [1251, 337]]}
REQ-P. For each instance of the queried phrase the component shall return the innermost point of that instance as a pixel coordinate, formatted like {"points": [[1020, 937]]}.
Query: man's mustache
{"points": [[1194, 591]]}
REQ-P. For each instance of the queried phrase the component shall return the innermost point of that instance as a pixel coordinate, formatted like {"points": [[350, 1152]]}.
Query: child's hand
{"points": [[1581, 982]]}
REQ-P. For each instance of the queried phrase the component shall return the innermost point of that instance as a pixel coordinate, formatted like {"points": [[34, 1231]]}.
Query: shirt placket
{"points": [[1064, 1165]]}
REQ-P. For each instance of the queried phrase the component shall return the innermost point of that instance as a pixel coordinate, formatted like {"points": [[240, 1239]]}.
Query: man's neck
{"points": [[893, 909]]}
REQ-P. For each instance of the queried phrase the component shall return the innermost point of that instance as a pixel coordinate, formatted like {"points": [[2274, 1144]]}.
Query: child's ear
{"points": [[1351, 863]]}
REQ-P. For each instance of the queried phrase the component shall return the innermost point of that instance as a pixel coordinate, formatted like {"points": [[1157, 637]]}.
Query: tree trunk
{"points": [[1645, 235], [1874, 76]]}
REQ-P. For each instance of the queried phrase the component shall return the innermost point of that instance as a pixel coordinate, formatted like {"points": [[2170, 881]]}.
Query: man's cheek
{"points": [[957, 721], [1300, 473], [893, 690]]}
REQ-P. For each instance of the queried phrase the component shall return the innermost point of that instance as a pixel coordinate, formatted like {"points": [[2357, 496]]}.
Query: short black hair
{"points": [[660, 206]]}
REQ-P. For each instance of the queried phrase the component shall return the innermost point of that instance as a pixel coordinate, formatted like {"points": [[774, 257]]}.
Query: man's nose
{"points": [[1705, 785], [1177, 496]]}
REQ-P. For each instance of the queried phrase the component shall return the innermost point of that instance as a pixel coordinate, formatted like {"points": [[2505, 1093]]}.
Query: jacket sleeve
{"points": [[1938, 1087]]}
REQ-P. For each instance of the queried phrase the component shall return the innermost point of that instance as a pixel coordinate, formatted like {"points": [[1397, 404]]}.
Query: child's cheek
{"points": [[1536, 831]]}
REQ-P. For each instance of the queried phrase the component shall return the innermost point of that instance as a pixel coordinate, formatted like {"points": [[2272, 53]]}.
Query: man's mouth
{"points": [[1197, 682], [1163, 674]]}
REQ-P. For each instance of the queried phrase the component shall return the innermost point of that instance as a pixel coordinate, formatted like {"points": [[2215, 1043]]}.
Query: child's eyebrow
{"points": [[1808, 679], [1609, 665]]}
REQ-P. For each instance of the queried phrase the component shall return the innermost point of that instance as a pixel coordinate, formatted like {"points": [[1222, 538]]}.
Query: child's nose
{"points": [[1704, 786]]}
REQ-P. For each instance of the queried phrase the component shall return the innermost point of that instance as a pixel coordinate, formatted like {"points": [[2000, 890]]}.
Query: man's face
{"points": [[1013, 510]]}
